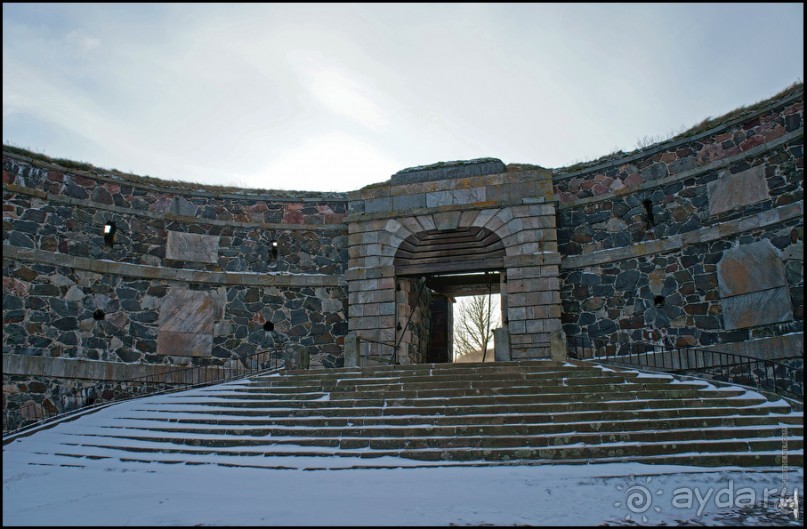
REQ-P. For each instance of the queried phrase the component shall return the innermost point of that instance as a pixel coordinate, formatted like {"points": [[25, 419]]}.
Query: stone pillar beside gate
{"points": [[533, 306], [352, 358], [371, 308], [501, 345], [531, 290]]}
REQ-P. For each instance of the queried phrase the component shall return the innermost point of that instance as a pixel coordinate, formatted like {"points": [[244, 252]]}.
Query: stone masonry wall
{"points": [[413, 301], [673, 297], [772, 179], [70, 299], [694, 242], [741, 135], [66, 213], [52, 315]]}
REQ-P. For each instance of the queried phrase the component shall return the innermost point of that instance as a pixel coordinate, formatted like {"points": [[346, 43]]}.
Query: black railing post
{"points": [[773, 368]]}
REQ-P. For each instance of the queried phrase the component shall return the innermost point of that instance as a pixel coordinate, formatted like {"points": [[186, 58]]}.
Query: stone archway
{"points": [[419, 226], [443, 264], [463, 249]]}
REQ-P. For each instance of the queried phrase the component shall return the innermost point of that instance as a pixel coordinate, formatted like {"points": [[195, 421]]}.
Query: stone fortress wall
{"points": [[190, 277], [695, 241]]}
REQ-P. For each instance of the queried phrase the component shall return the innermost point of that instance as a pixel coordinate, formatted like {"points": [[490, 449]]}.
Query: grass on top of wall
{"points": [[121, 176], [708, 123]]}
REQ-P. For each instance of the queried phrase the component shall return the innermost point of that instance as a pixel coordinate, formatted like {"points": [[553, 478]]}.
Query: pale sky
{"points": [[333, 97]]}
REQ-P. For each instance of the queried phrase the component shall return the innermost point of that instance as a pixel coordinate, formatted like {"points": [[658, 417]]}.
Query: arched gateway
{"points": [[451, 229]]}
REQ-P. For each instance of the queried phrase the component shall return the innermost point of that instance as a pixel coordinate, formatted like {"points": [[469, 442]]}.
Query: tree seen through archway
{"points": [[475, 317]]}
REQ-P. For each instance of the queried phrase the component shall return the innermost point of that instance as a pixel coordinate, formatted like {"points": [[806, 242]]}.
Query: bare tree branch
{"points": [[478, 316]]}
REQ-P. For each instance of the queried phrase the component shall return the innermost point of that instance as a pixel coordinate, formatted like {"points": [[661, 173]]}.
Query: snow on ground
{"points": [[112, 492], [158, 494]]}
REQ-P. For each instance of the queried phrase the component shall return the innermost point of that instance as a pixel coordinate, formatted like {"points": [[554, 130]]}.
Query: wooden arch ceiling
{"points": [[460, 250]]}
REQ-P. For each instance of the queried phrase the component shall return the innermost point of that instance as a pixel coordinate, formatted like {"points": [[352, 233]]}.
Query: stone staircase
{"points": [[532, 412]]}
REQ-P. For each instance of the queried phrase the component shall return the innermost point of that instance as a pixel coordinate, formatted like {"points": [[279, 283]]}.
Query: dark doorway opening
{"points": [[440, 336]]}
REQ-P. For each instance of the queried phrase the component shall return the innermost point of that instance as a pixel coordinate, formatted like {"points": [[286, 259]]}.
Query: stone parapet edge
{"points": [[713, 166], [78, 368], [171, 274], [669, 145], [675, 242], [14, 188], [326, 196], [386, 189]]}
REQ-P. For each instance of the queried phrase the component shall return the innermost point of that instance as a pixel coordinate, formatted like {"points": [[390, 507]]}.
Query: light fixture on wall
{"points": [[109, 233], [273, 250]]}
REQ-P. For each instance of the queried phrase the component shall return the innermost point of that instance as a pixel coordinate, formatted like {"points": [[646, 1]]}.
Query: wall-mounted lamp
{"points": [[109, 233]]}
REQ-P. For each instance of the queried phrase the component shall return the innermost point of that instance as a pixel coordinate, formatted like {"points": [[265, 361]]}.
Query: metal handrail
{"points": [[769, 375], [393, 357], [34, 414]]}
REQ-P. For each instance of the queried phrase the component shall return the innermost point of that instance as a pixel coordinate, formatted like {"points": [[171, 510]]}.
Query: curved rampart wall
{"points": [[190, 277], [694, 242]]}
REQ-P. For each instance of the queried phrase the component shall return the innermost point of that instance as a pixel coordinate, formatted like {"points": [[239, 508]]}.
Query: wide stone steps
{"points": [[531, 412], [623, 429], [364, 459], [468, 405], [458, 381], [526, 392], [413, 439], [592, 452], [449, 390], [487, 424], [556, 376]]}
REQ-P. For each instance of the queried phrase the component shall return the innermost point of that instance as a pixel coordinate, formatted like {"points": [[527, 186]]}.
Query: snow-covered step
{"points": [[153, 451], [527, 392], [352, 459], [548, 434], [455, 406], [401, 440], [543, 394], [517, 423], [531, 412]]}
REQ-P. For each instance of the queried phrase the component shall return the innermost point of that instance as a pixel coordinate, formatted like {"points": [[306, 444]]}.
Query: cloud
{"points": [[333, 161], [252, 91], [83, 42], [341, 92]]}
